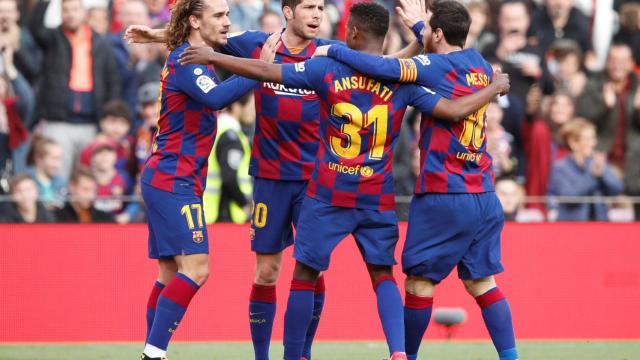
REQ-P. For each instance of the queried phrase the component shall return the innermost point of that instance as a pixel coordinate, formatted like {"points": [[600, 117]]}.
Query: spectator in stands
{"points": [[479, 36], [98, 19], [148, 113], [583, 172], [612, 102], [499, 142], [245, 14], [559, 19], [25, 208], [518, 58], [512, 197], [81, 77], [229, 189], [82, 195], [629, 32], [132, 12], [24, 9], [111, 182], [514, 115], [27, 56], [114, 129], [564, 65], [45, 159], [16, 108], [159, 12], [541, 139], [271, 21]]}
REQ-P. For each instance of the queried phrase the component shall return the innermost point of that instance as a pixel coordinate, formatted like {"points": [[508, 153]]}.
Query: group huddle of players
{"points": [[321, 160]]}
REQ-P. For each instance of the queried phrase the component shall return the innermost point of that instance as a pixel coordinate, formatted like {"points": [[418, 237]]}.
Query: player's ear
{"points": [[194, 22], [288, 13], [439, 34], [355, 31]]}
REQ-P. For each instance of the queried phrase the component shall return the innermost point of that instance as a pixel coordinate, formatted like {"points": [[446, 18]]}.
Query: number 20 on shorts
{"points": [[260, 212]]}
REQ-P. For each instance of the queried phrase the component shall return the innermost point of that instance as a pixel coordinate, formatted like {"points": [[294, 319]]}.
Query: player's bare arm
{"points": [[458, 109], [262, 69], [142, 34]]}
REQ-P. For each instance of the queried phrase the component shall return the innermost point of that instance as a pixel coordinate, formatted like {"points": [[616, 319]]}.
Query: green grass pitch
{"points": [[457, 350]]}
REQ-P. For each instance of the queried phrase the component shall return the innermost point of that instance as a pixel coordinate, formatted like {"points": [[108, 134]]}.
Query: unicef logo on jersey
{"points": [[364, 171]]}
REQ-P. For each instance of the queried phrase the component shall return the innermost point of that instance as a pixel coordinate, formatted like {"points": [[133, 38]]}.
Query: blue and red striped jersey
{"points": [[453, 156], [189, 98], [360, 121], [286, 134]]}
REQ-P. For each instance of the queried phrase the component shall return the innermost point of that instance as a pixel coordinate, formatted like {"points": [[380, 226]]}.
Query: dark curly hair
{"points": [[179, 27]]}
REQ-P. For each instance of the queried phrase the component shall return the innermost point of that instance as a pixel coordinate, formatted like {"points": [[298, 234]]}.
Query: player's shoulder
{"points": [[174, 54], [470, 56], [248, 36], [427, 59], [318, 62], [322, 42]]}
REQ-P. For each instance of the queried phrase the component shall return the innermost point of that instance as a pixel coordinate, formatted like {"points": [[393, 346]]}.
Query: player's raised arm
{"points": [[410, 12], [253, 69]]}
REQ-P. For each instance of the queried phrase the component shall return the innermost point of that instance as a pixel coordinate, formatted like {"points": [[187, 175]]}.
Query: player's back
{"points": [[286, 135], [453, 155], [360, 120], [185, 135]]}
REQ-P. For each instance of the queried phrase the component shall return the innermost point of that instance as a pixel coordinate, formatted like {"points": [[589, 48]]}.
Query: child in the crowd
{"points": [[148, 113], [512, 197], [45, 162], [111, 182], [114, 127], [82, 196], [25, 208]]}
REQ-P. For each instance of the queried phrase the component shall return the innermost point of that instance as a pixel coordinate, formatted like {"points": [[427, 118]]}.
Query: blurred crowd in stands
{"points": [[78, 106]]}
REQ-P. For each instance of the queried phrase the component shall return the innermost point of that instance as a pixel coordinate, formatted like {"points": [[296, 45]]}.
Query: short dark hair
{"points": [[290, 3], [117, 108], [370, 17], [79, 173], [454, 20]]}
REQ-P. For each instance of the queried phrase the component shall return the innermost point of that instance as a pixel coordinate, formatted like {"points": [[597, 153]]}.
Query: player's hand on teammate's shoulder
{"points": [[202, 55], [322, 50], [140, 34], [270, 47], [501, 80]]}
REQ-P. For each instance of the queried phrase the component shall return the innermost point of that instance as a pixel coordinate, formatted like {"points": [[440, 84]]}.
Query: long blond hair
{"points": [[179, 26]]}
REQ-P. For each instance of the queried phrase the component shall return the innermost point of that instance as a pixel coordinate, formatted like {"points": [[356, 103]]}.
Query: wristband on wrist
{"points": [[418, 30]]}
